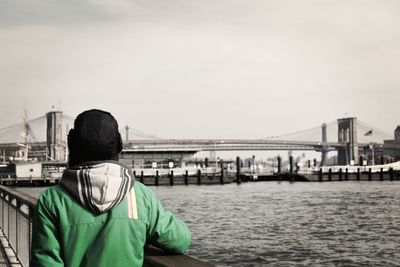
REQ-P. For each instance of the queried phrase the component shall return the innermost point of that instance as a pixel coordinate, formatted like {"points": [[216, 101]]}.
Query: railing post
{"points": [[358, 174], [31, 210], [340, 174], [381, 174], [16, 225], [8, 218], [320, 174], [330, 174], [2, 211], [346, 174], [141, 177]]}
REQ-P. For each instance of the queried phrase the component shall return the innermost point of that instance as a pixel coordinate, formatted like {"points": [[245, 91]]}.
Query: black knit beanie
{"points": [[95, 137]]}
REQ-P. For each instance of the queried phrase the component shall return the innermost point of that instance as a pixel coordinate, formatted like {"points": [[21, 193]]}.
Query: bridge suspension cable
{"points": [[310, 134], [138, 134], [368, 133], [36, 130]]}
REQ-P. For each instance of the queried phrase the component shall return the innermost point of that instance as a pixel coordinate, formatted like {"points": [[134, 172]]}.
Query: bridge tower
{"points": [[324, 152], [127, 133], [347, 136], [55, 145]]}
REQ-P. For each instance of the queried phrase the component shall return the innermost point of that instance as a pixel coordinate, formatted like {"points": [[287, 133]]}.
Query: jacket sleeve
{"points": [[45, 245], [166, 231]]}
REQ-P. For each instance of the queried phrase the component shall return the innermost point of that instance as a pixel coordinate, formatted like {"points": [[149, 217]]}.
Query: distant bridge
{"points": [[350, 137], [47, 134], [228, 145]]}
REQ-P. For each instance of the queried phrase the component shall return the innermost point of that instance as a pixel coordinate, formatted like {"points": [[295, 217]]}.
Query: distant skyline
{"points": [[203, 69]]}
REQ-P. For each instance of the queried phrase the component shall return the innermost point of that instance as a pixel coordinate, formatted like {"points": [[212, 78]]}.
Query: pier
{"points": [[16, 211], [352, 174], [29, 181], [31, 173], [235, 174]]}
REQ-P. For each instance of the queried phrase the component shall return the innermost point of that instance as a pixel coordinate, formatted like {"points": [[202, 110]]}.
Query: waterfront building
{"points": [[391, 148]]}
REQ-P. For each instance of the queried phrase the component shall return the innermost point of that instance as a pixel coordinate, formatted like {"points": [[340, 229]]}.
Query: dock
{"points": [[51, 174], [31, 173], [29, 181]]}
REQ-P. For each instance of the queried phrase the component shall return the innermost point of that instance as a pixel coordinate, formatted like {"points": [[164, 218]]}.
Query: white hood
{"points": [[98, 186]]}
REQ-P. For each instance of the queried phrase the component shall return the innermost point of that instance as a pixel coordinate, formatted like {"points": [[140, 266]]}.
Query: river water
{"points": [[291, 224]]}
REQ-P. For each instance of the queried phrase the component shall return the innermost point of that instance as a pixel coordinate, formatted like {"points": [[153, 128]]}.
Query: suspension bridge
{"points": [[348, 135]]}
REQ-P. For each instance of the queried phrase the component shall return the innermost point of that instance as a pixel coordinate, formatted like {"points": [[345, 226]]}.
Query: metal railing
{"points": [[16, 211]]}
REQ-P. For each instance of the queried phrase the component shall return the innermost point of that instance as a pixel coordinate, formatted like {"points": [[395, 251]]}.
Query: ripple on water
{"points": [[298, 224]]}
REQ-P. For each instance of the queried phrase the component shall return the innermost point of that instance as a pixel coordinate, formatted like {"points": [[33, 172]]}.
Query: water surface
{"points": [[283, 224], [299, 224]]}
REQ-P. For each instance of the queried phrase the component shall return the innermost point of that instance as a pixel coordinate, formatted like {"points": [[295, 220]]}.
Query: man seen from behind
{"points": [[98, 215]]}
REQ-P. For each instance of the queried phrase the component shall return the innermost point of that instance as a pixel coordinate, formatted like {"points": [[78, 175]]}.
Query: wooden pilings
{"points": [[199, 177], [157, 178], [291, 164], [221, 177], [279, 165], [186, 177], [171, 178], [391, 174], [359, 175], [285, 171], [238, 166]]}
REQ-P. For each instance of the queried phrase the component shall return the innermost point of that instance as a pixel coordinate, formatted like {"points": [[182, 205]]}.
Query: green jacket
{"points": [[99, 216]]}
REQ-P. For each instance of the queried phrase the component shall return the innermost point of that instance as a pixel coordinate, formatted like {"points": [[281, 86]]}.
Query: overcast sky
{"points": [[203, 69]]}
